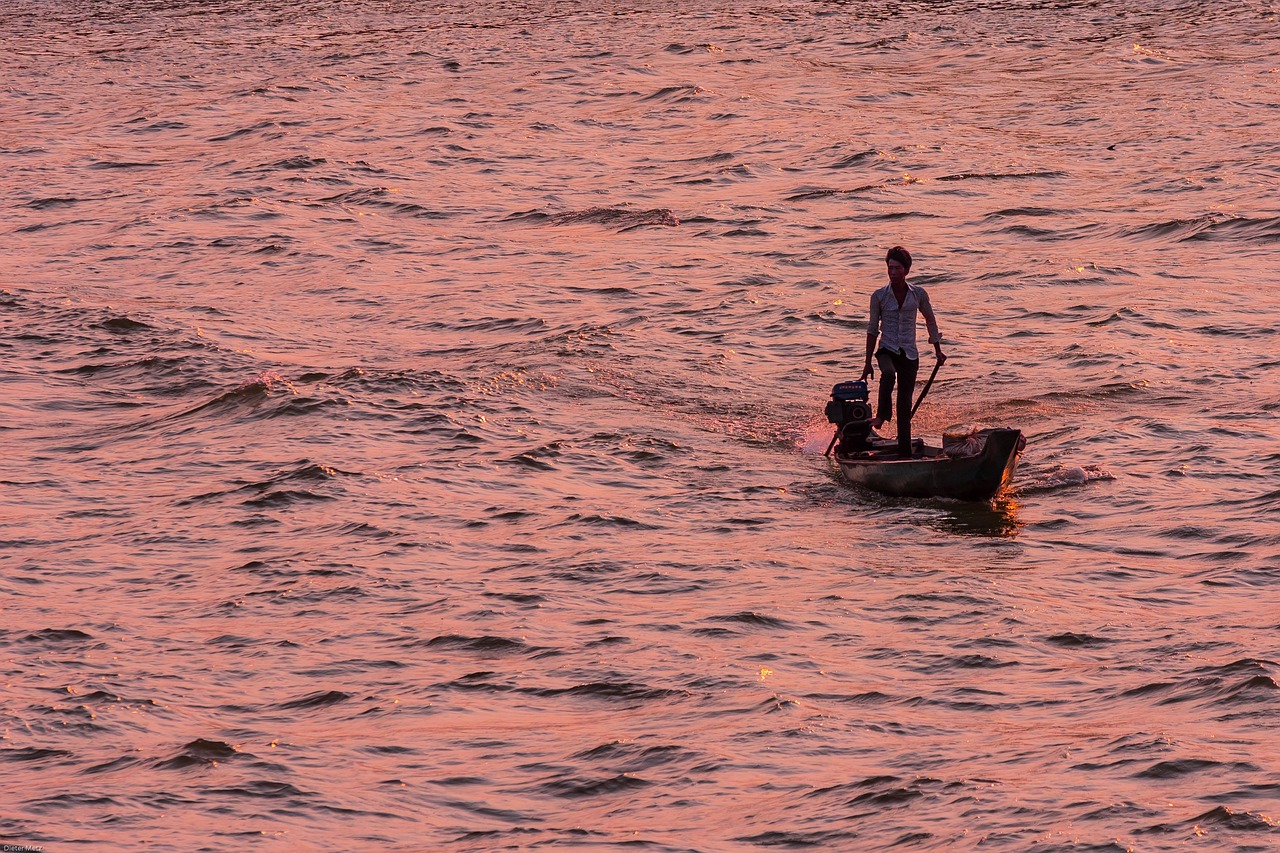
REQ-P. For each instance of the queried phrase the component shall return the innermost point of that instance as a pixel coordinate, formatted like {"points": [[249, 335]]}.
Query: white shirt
{"points": [[897, 326]]}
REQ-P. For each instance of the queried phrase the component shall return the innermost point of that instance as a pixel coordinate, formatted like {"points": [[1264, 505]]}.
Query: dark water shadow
{"points": [[999, 519]]}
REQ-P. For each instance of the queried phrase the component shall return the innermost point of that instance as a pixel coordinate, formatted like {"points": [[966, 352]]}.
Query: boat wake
{"points": [[1065, 476]]}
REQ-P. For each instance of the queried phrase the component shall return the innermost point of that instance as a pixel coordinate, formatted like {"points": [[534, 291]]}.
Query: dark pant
{"points": [[896, 365]]}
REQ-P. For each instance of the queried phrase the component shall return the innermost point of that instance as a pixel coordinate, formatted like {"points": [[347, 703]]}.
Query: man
{"points": [[893, 323]]}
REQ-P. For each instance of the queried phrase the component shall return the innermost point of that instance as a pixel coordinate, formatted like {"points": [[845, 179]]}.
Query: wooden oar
{"points": [[927, 386]]}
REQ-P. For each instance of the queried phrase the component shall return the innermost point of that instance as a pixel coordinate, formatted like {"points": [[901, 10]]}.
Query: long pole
{"points": [[927, 386], [833, 441]]}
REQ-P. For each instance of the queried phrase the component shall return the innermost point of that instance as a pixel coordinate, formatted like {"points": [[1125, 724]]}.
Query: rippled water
{"points": [[412, 419]]}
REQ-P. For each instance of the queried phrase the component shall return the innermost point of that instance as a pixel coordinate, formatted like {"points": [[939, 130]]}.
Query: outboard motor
{"points": [[851, 413]]}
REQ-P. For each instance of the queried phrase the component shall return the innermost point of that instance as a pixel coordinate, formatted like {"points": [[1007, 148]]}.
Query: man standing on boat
{"points": [[893, 323]]}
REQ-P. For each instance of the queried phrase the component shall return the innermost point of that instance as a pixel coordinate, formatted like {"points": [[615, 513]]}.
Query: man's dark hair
{"points": [[901, 255]]}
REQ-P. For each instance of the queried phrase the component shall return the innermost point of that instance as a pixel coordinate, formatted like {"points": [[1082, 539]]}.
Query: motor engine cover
{"points": [[849, 403], [849, 410]]}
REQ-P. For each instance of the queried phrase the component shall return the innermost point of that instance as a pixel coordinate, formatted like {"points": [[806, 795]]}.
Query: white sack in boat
{"points": [[963, 440]]}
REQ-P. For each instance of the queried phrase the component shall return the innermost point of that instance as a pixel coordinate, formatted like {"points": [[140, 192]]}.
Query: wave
{"points": [[1028, 211], [1210, 227], [123, 165], [1265, 230], [575, 787], [1178, 767], [57, 636], [637, 756], [618, 218], [37, 227], [1064, 477], [268, 130], [200, 753], [273, 491], [751, 619], [805, 193], [53, 202], [1076, 640], [322, 699], [856, 159], [146, 125], [1236, 820], [123, 324], [677, 94], [687, 49], [997, 176], [384, 199], [487, 646], [609, 691], [1243, 683]]}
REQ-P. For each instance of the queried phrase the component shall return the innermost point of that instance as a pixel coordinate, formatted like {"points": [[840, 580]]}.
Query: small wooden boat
{"points": [[931, 472]]}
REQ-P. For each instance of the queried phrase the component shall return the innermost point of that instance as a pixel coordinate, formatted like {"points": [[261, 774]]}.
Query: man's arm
{"points": [[873, 334], [931, 323]]}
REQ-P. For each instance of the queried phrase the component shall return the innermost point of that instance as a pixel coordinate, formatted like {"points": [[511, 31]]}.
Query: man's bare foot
{"points": [[876, 423]]}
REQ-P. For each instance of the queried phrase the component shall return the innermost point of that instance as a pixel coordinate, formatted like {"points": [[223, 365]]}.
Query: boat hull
{"points": [[934, 475]]}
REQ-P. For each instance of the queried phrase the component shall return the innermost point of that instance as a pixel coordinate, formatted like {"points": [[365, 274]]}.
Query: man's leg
{"points": [[884, 404], [907, 370]]}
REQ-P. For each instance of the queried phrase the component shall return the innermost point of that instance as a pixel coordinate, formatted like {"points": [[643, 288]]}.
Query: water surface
{"points": [[413, 426]]}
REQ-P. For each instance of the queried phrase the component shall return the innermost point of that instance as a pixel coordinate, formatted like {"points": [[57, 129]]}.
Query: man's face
{"points": [[897, 272]]}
